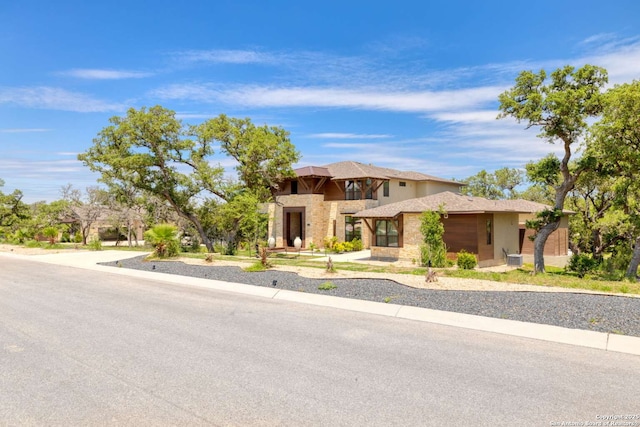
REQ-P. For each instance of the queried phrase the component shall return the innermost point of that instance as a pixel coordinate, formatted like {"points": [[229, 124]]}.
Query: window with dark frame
{"points": [[294, 187], [403, 184], [385, 189], [387, 233], [352, 228], [489, 232], [352, 190]]}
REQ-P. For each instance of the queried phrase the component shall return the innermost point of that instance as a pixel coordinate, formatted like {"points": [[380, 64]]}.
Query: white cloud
{"points": [[98, 74], [330, 135], [226, 56], [24, 130], [332, 97], [53, 98]]}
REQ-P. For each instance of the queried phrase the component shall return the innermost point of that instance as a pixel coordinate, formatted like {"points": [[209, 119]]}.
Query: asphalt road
{"points": [[79, 347]]}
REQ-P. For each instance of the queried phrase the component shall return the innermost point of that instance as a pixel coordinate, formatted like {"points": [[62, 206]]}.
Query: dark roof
{"points": [[313, 171], [452, 203]]}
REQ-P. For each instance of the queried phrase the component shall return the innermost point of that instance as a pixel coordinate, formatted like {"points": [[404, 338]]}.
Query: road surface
{"points": [[80, 347]]}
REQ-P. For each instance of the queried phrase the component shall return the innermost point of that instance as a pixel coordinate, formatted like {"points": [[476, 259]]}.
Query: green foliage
{"points": [[494, 185], [50, 233], [545, 171], [152, 152], [327, 286], [357, 244], [339, 247], [32, 244], [164, 239], [560, 106], [466, 260], [330, 242], [256, 267], [433, 252], [95, 244], [581, 264]]}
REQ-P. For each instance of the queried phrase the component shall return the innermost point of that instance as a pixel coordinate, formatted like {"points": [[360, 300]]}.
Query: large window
{"points": [[352, 228], [352, 190], [387, 233]]}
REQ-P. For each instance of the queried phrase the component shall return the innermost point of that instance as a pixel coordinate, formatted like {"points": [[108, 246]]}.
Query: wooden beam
{"points": [[319, 184], [304, 183]]}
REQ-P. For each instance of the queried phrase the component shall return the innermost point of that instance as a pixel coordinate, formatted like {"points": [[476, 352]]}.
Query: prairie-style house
{"points": [[382, 207]]}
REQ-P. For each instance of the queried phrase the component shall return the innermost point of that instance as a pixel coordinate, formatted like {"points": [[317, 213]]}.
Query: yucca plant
{"points": [[164, 239], [50, 233]]}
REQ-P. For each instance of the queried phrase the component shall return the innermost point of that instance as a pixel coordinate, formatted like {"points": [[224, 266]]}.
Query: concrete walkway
{"points": [[577, 337]]}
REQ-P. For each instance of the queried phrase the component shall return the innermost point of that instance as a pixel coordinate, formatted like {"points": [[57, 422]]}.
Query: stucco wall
{"points": [[428, 188], [506, 232], [397, 193]]}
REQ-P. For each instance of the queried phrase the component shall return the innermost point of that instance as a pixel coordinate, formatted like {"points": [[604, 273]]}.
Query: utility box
{"points": [[514, 260]]}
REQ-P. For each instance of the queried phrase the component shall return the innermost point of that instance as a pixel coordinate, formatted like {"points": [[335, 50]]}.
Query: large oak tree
{"points": [[151, 150], [559, 107]]}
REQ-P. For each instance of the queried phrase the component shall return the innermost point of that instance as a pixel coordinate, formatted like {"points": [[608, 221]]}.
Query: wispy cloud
{"points": [[329, 135], [102, 74], [24, 130], [227, 56], [363, 98], [53, 98]]}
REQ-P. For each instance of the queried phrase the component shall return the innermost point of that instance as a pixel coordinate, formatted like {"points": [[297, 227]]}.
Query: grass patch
{"points": [[255, 267], [327, 286]]}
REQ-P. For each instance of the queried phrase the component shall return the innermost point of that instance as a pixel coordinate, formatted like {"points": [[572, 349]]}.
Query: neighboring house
{"points": [[321, 201], [104, 223], [488, 228], [382, 207]]}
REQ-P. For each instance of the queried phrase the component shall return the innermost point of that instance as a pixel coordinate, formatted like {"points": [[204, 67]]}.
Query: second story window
{"points": [[385, 189], [403, 184], [352, 190], [294, 187]]}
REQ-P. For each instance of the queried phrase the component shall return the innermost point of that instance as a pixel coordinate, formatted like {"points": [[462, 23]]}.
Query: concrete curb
{"points": [[577, 337]]}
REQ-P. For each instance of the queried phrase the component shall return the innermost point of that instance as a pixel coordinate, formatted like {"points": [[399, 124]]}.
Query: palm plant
{"points": [[164, 238]]}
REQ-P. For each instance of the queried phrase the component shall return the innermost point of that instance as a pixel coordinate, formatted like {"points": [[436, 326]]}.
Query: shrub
{"points": [[348, 246], [339, 247], [466, 260], [95, 244], [330, 242], [164, 238], [433, 252], [581, 264], [357, 244], [51, 233]]}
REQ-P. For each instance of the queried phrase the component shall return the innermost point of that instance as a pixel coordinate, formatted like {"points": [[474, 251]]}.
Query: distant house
{"points": [[382, 207]]}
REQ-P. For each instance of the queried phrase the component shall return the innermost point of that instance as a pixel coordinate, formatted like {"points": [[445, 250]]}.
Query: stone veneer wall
{"points": [[319, 217]]}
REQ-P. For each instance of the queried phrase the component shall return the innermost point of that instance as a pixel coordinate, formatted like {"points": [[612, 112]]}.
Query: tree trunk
{"points": [[538, 245], [632, 271]]}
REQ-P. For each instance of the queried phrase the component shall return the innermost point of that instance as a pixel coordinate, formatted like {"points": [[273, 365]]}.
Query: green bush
{"points": [[339, 247], [357, 244], [348, 246], [330, 242], [581, 264], [466, 260], [95, 244], [164, 238], [32, 244], [327, 286], [433, 251]]}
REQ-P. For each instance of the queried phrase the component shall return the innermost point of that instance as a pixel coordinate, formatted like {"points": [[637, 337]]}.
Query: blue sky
{"points": [[410, 85]]}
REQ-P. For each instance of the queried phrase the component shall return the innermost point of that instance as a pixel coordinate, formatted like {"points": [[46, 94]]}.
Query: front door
{"points": [[293, 225]]}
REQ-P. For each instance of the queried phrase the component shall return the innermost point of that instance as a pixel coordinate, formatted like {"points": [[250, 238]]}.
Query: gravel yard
{"points": [[603, 313]]}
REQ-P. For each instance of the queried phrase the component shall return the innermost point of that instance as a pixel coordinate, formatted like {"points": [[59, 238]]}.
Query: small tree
{"points": [[433, 250], [164, 238], [50, 233]]}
